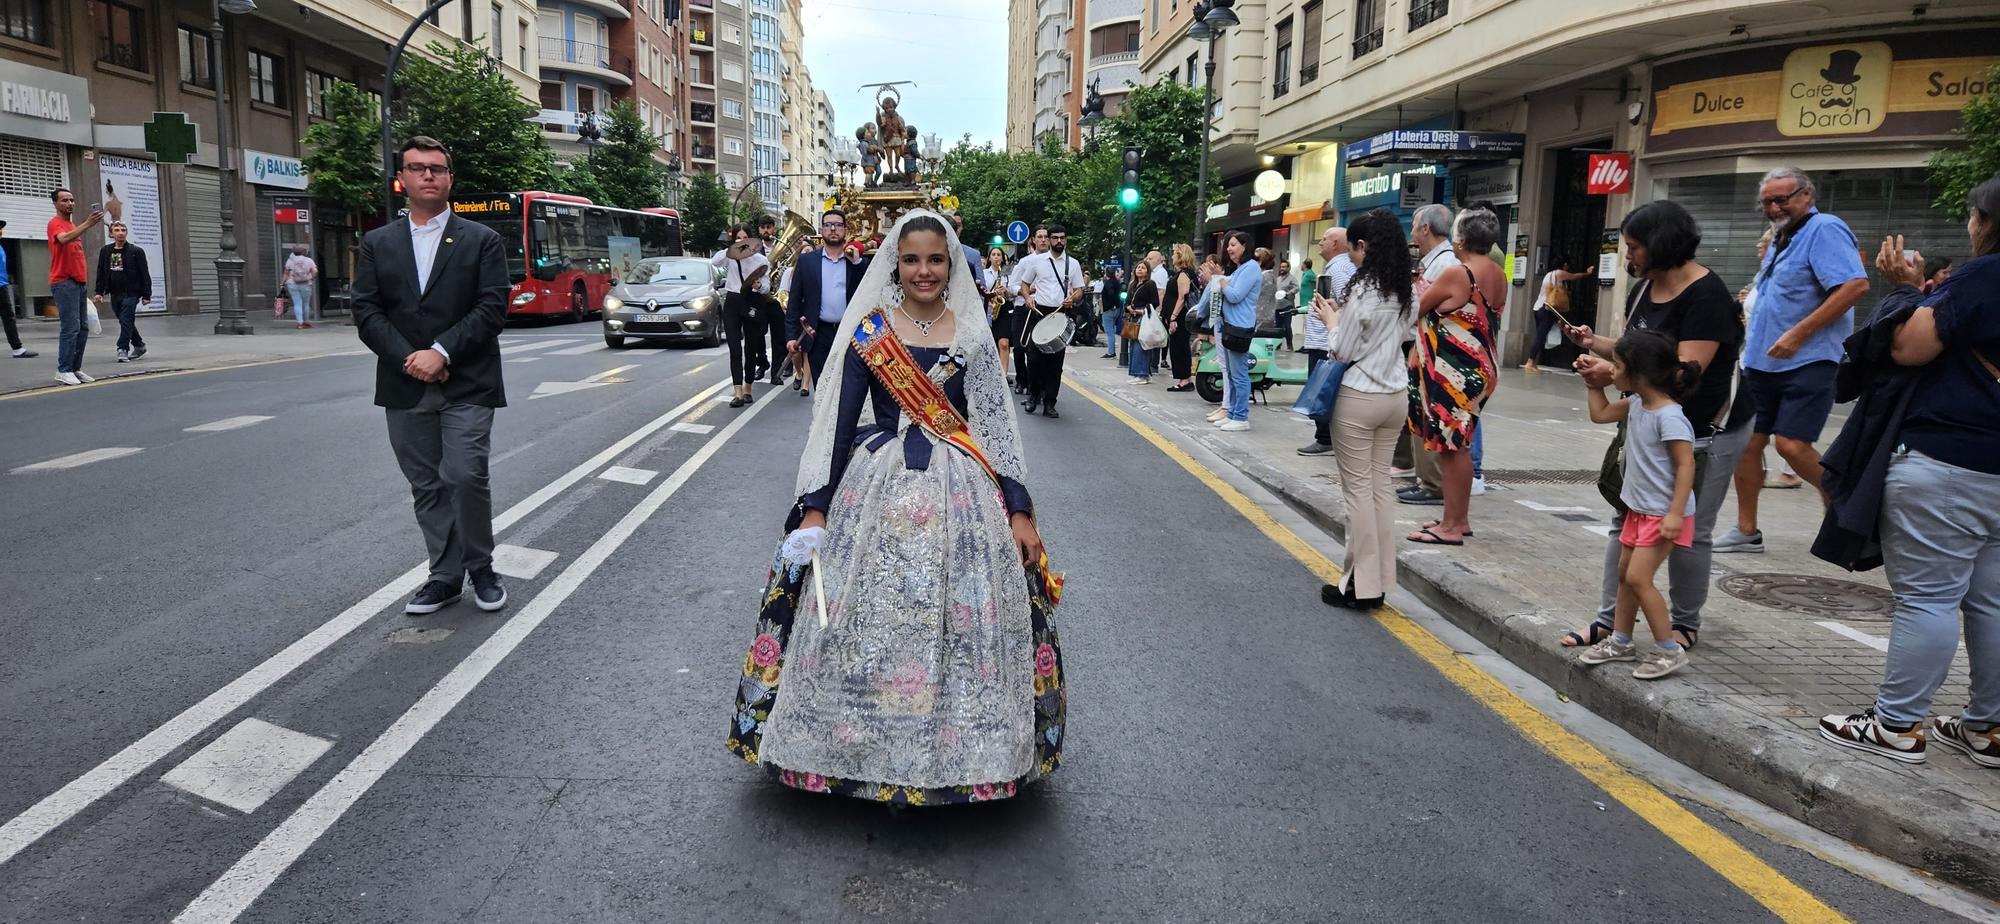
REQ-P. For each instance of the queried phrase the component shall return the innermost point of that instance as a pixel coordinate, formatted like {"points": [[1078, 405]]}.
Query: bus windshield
{"points": [[682, 271], [509, 228]]}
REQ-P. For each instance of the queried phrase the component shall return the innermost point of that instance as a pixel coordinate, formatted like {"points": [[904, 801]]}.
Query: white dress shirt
{"points": [[1053, 278], [424, 240]]}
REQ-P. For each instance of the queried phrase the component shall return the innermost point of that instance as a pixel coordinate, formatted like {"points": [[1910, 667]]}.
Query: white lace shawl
{"points": [[989, 404]]}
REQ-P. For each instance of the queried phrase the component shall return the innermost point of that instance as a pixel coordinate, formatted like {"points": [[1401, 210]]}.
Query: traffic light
{"points": [[999, 241], [1128, 191]]}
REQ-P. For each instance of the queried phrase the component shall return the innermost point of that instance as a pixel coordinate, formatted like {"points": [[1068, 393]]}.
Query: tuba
{"points": [[785, 249]]}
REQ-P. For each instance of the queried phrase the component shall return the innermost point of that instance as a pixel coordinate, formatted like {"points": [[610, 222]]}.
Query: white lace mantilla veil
{"points": [[989, 403]]}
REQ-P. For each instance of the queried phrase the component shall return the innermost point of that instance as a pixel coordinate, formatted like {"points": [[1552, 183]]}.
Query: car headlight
{"points": [[524, 298], [613, 303], [702, 303]]}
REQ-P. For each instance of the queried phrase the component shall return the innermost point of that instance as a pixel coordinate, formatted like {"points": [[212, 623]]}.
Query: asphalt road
{"points": [[1236, 750]]}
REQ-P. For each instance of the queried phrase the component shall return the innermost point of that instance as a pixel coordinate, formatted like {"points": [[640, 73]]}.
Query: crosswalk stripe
{"points": [[79, 458], [227, 423], [525, 347]]}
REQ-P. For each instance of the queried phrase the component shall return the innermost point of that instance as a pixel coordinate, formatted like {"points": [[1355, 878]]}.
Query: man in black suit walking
{"points": [[822, 283], [430, 299]]}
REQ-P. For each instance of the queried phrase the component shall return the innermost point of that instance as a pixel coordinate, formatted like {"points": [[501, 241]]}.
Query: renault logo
{"points": [[652, 304]]}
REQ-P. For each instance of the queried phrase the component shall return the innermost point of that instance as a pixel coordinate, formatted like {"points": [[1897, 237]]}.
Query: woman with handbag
{"points": [[1145, 299], [1550, 302], [1240, 293], [1178, 298], [744, 266], [1372, 409]]}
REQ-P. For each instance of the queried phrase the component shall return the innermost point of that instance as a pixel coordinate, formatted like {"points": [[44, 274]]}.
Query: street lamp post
{"points": [[1211, 17], [388, 105], [230, 317]]}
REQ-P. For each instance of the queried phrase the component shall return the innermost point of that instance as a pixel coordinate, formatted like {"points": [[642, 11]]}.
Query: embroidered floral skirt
{"points": [[937, 676]]}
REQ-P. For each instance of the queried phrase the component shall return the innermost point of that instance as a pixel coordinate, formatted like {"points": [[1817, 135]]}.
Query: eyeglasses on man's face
{"points": [[1771, 202], [833, 224], [432, 169]]}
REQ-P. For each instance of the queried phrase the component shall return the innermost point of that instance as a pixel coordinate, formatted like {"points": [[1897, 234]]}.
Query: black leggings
{"points": [[1544, 319], [1180, 352], [736, 327]]}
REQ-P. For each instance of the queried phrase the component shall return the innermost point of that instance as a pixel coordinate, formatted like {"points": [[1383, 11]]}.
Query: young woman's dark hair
{"points": [[1249, 249], [1655, 359], [1985, 200], [1670, 235], [1386, 264]]}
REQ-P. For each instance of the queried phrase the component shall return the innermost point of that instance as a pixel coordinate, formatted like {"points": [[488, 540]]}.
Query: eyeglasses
{"points": [[833, 224], [1774, 201], [432, 169]]}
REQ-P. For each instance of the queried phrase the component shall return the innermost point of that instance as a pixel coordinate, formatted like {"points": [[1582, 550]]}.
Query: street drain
{"points": [[1541, 476], [1812, 596]]}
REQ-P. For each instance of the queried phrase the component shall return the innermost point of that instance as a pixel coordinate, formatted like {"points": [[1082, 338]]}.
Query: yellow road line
{"points": [[1756, 878], [155, 376]]}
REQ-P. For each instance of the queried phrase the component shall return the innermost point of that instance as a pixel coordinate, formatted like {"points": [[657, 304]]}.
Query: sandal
{"points": [[1591, 635], [1437, 523], [1689, 636], [1426, 537]]}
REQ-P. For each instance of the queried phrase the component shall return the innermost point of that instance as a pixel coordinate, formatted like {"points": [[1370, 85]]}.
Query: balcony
{"points": [[1368, 42], [701, 152], [701, 113], [699, 37], [1280, 88], [1425, 12], [611, 8], [701, 4], [584, 58], [1308, 73], [1116, 57]]}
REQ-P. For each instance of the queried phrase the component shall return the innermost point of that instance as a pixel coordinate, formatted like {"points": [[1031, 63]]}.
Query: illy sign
{"points": [[1609, 173]]}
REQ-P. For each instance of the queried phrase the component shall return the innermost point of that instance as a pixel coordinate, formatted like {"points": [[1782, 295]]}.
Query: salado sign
{"points": [[1900, 86]]}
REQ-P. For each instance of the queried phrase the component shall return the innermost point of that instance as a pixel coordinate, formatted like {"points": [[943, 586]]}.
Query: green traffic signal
{"points": [[997, 240], [1129, 197]]}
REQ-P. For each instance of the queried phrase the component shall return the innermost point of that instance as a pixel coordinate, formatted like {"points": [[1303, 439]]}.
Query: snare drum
{"points": [[1051, 334]]}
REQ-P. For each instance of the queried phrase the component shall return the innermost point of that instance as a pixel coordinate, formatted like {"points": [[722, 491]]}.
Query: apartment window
{"points": [[733, 147], [497, 33], [732, 109], [645, 112], [1193, 68], [1281, 83], [521, 58], [645, 59], [732, 72], [1310, 19], [1425, 12], [1368, 19], [465, 24], [196, 60], [1116, 38], [121, 36], [317, 86], [27, 20], [1155, 25], [267, 78]]}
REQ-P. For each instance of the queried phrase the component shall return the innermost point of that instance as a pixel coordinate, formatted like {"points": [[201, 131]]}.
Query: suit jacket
{"points": [[802, 305], [462, 308], [138, 277]]}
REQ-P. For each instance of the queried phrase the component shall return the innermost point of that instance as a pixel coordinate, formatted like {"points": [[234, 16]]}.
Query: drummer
{"points": [[1051, 282]]}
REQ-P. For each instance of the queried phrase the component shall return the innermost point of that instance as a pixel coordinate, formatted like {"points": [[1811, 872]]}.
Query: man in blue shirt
{"points": [[1805, 292], [821, 284], [7, 308]]}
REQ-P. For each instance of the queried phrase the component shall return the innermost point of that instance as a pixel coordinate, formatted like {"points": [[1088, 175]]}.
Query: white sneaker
{"points": [[1478, 486], [1233, 426], [84, 377], [68, 378]]}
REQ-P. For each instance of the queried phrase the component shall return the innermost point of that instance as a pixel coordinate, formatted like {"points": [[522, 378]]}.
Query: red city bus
{"points": [[564, 252]]}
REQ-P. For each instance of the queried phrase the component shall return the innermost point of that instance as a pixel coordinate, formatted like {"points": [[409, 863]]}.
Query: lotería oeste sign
{"points": [[1909, 85]]}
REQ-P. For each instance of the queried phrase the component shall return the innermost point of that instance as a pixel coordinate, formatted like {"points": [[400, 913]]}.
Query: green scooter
{"points": [[1265, 370]]}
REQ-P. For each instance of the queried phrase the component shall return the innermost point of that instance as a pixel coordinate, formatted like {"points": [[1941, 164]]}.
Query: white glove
{"points": [[799, 546]]}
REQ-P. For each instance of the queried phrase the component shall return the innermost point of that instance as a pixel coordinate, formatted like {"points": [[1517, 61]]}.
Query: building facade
{"points": [[1021, 20], [1167, 53], [1111, 49], [1058, 87], [97, 71], [703, 117], [1564, 117]]}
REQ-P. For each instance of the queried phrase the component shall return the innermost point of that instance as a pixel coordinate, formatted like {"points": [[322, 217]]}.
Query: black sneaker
{"points": [[137, 352], [433, 596], [1315, 449], [486, 590]]}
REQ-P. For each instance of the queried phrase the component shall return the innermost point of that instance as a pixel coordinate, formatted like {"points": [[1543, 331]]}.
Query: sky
{"points": [[955, 50]]}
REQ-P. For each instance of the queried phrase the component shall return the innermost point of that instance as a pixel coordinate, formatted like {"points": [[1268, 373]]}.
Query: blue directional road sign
{"points": [[1018, 232]]}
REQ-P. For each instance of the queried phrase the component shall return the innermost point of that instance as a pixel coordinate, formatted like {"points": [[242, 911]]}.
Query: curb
{"points": [[1851, 796], [112, 377]]}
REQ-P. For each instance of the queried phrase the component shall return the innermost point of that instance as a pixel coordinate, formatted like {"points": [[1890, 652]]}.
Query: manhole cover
{"points": [[1541, 476], [1814, 596]]}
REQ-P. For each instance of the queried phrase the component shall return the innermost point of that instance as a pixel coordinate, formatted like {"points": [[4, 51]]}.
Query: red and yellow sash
{"points": [[925, 402]]}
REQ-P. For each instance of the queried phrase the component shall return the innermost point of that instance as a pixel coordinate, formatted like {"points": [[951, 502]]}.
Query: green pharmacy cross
{"points": [[171, 138]]}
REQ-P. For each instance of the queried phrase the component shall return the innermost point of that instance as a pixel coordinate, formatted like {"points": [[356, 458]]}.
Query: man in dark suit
{"points": [[822, 282], [430, 299]]}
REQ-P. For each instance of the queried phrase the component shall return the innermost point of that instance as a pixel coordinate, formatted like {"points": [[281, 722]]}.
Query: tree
{"points": [[623, 164], [344, 159], [455, 95], [1164, 121], [1956, 171], [704, 213], [578, 179]]}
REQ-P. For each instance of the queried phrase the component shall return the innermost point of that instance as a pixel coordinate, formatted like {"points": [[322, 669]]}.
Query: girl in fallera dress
{"points": [[908, 619]]}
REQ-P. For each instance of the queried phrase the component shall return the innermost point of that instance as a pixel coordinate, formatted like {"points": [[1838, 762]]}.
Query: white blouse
{"points": [[1370, 335]]}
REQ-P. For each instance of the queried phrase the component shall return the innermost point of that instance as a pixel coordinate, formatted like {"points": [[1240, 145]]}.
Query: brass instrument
{"points": [[785, 248], [996, 300]]}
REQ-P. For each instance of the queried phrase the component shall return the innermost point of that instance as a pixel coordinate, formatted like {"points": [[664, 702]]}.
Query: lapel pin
{"points": [[447, 240]]}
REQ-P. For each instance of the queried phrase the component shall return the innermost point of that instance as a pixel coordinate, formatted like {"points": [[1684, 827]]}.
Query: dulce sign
{"points": [[1909, 85]]}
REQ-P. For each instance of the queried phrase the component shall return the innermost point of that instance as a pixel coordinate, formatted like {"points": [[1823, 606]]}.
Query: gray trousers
{"points": [[1941, 552], [1687, 569], [442, 449]]}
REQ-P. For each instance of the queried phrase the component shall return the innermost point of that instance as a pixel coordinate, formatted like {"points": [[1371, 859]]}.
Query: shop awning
{"points": [[1421, 146], [1305, 213]]}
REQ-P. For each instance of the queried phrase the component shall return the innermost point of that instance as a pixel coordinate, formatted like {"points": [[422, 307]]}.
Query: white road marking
{"points": [[695, 428], [79, 458], [60, 806], [247, 765], [226, 423], [1873, 641], [620, 473], [699, 368], [1544, 508], [545, 389], [352, 353], [1601, 532], [522, 359], [537, 345], [234, 891], [516, 561], [580, 350]]}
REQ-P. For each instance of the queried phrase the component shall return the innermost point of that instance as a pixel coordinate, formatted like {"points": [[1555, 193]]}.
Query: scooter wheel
{"points": [[1209, 386]]}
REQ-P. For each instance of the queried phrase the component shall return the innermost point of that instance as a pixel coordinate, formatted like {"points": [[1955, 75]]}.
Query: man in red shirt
{"points": [[69, 282]]}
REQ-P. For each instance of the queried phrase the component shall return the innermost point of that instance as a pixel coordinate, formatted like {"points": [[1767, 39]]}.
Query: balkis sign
{"points": [[1901, 86], [1609, 174]]}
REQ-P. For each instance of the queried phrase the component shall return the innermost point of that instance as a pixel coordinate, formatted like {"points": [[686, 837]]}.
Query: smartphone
{"points": [[1909, 256], [97, 208]]}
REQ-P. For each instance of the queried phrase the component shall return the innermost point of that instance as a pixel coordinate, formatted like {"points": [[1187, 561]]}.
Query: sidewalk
{"points": [[1786, 637], [173, 343]]}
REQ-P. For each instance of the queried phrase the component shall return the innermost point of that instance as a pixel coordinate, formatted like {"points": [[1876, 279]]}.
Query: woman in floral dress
{"points": [[1454, 371], [932, 673]]}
